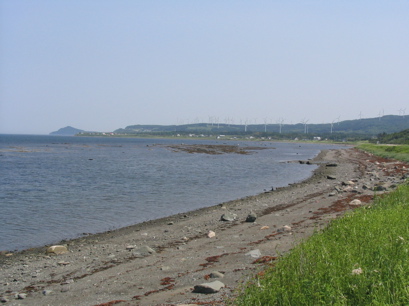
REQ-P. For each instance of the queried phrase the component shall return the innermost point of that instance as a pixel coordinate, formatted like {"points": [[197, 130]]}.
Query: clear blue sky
{"points": [[101, 65]]}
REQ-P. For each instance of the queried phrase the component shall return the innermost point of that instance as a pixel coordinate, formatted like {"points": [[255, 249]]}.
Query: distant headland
{"points": [[67, 131]]}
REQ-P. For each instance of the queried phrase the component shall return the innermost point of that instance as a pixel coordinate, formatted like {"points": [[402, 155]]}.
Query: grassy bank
{"points": [[400, 152], [360, 259]]}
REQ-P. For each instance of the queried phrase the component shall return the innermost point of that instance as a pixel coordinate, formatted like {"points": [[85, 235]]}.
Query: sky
{"points": [[102, 65]]}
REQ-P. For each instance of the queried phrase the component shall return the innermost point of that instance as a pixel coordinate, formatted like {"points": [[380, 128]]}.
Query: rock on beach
{"points": [[251, 217], [57, 249], [207, 288], [355, 202], [228, 216]]}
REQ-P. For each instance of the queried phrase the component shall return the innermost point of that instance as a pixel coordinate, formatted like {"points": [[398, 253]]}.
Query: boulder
{"points": [[347, 189], [254, 253], [21, 296], [285, 228], [143, 251], [355, 202], [63, 263], [332, 165], [331, 177], [211, 234], [251, 217], [228, 216], [380, 188], [206, 288], [57, 249], [216, 274], [47, 292]]}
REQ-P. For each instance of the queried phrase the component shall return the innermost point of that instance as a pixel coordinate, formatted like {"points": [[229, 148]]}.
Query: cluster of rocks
{"points": [[376, 179], [229, 216]]}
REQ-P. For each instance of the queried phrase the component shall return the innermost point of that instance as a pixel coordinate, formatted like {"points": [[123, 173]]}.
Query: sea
{"points": [[54, 188]]}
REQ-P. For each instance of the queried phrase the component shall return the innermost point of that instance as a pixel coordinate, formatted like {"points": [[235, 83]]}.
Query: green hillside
{"points": [[357, 129], [395, 138]]}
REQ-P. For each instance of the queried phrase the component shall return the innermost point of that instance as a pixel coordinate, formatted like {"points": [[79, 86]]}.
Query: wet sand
{"points": [[159, 262]]}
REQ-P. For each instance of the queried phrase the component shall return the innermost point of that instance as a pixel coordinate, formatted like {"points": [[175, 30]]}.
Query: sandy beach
{"points": [[160, 262]]}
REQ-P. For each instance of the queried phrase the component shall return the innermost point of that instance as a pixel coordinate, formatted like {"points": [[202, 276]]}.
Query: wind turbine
{"points": [[305, 126], [265, 125], [210, 120], [360, 115], [332, 125], [380, 114], [227, 121], [280, 122]]}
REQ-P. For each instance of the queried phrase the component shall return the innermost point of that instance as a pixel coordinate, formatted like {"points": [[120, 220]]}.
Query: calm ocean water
{"points": [[54, 188]]}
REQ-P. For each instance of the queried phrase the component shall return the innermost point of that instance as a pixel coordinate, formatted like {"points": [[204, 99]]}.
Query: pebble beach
{"points": [[201, 257]]}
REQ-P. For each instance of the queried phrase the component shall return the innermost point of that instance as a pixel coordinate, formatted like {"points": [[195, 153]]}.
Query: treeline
{"points": [[394, 138]]}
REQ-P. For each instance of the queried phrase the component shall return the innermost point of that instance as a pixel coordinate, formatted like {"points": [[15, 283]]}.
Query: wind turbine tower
{"points": [[305, 126], [379, 115], [332, 125], [280, 122]]}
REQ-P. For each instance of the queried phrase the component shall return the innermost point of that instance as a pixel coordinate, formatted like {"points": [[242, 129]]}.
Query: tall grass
{"points": [[359, 259], [400, 152]]}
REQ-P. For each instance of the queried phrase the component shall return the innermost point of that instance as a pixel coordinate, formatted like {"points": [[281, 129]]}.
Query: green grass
{"points": [[319, 271], [400, 152]]}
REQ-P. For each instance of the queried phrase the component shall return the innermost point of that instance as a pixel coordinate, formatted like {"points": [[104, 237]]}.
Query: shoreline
{"points": [[159, 262], [16, 243], [164, 220]]}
